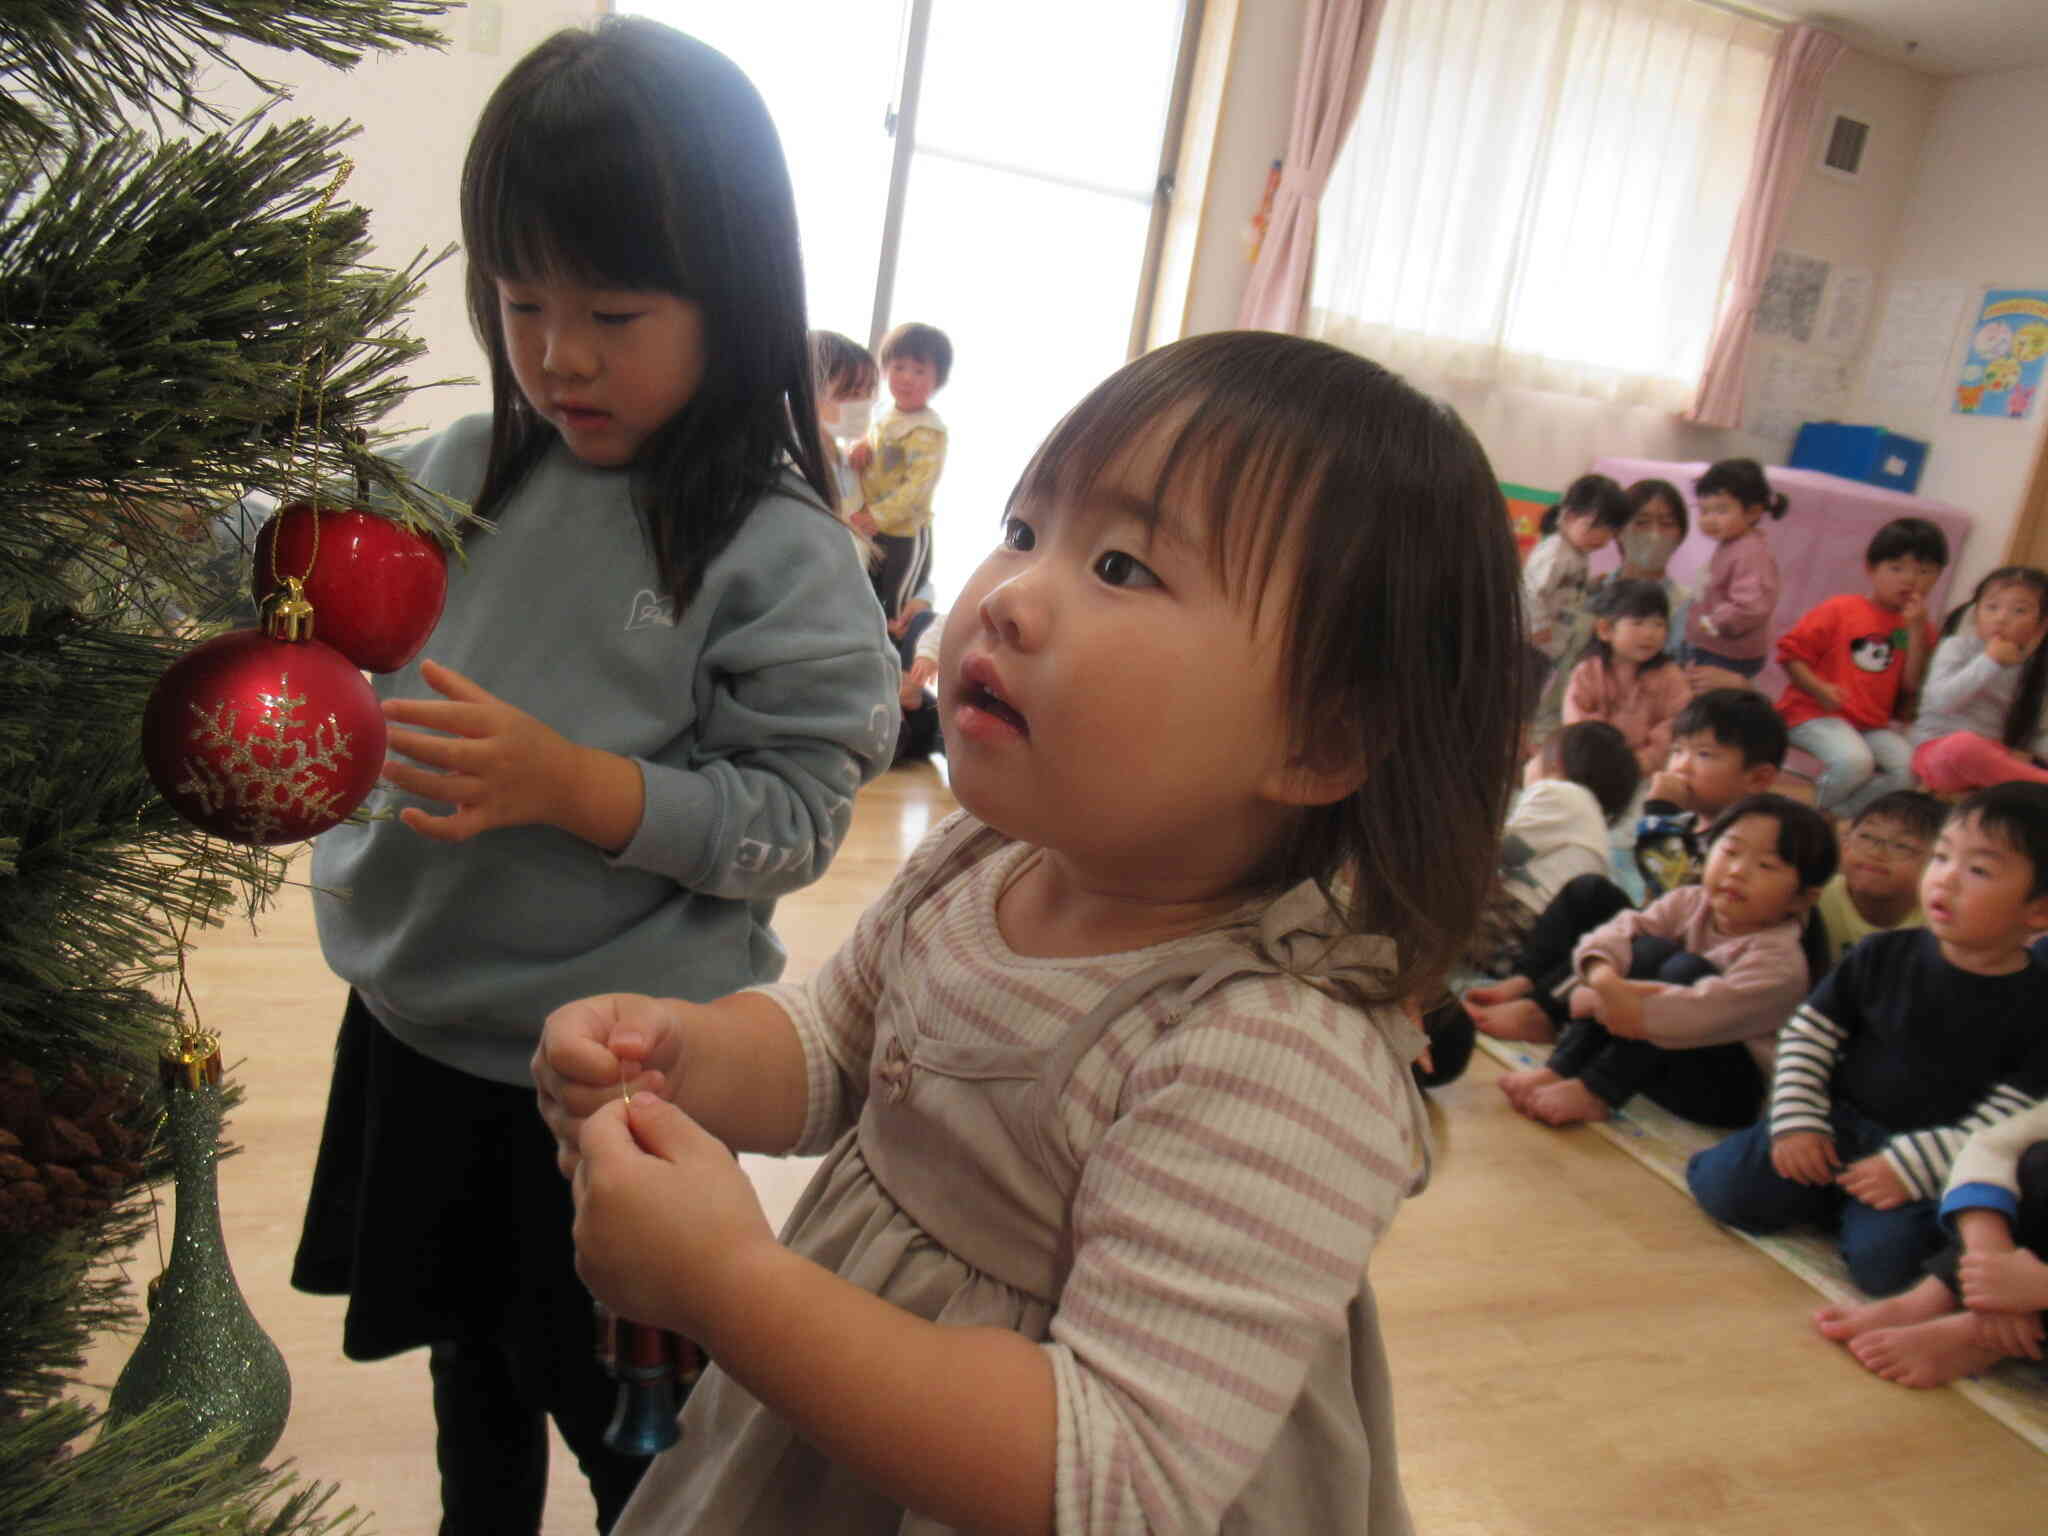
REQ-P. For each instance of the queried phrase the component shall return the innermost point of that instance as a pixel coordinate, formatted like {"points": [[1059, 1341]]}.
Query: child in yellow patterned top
{"points": [[899, 463]]}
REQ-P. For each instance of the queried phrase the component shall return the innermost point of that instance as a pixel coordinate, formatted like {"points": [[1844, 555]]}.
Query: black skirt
{"points": [[436, 1207]]}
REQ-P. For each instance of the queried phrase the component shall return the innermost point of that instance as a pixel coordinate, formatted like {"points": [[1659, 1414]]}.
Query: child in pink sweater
{"points": [[1626, 677], [1682, 1001], [1729, 626]]}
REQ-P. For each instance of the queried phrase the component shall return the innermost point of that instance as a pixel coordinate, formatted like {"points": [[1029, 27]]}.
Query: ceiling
{"points": [[1940, 37]]}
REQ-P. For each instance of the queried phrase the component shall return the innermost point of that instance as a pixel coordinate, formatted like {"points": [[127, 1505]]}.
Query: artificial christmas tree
{"points": [[184, 316]]}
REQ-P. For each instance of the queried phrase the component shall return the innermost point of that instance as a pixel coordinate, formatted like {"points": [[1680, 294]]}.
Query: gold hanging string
{"points": [[311, 371]]}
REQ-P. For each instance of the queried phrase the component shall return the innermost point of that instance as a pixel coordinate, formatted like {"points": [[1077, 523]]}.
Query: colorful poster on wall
{"points": [[2008, 353]]}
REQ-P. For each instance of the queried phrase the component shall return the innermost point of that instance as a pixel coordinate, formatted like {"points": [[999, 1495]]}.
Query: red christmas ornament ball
{"points": [[261, 740], [377, 587]]}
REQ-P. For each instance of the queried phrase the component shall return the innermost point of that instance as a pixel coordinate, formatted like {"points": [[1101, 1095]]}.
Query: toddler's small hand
{"points": [[1621, 1010], [916, 680], [864, 524], [1668, 786], [666, 1220], [497, 765], [1913, 610], [2016, 1281], [1873, 1181], [2004, 652], [1805, 1157], [1584, 1003], [594, 1050], [859, 455]]}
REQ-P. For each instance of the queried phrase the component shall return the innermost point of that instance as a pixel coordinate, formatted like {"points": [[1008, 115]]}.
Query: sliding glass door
{"points": [[991, 170]]}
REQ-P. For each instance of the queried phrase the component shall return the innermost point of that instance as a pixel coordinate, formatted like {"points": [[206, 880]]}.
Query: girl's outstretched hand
{"points": [[667, 1224], [500, 767], [596, 1049]]}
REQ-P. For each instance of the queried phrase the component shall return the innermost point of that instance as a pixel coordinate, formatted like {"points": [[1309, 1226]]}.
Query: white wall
{"points": [[1536, 438], [416, 109], [1258, 106], [1978, 214]]}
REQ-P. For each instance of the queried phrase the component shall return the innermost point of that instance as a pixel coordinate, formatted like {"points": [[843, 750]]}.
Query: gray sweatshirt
{"points": [[1966, 690], [754, 718]]}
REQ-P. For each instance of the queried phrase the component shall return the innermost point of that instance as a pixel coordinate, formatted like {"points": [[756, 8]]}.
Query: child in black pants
{"points": [[1725, 744], [1918, 1039], [1669, 1001]]}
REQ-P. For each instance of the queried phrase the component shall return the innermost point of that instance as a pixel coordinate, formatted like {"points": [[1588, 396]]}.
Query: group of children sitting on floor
{"points": [[1633, 648], [1863, 1011]]}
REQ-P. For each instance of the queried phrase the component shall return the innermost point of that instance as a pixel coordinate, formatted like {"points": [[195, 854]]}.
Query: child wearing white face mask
{"points": [[1651, 536], [847, 376]]}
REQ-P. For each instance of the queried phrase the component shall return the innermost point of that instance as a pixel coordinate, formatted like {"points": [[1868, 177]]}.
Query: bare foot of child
{"points": [[1565, 1102], [1519, 1085], [1931, 1354], [1922, 1304], [1504, 991], [1517, 1019]]}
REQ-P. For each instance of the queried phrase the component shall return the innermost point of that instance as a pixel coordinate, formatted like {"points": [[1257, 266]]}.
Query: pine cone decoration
{"points": [[68, 1153]]}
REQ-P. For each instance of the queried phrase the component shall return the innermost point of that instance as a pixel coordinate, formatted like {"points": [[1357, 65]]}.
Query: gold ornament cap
{"points": [[287, 615], [191, 1060]]}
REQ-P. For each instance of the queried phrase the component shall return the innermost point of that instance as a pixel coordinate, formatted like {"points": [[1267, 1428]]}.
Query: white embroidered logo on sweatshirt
{"points": [[650, 608]]}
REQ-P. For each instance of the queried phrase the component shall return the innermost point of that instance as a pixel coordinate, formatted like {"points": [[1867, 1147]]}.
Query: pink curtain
{"points": [[1805, 54], [1336, 52]]}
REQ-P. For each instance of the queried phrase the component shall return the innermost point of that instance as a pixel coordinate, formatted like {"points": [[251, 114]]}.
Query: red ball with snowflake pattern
{"points": [[262, 740]]}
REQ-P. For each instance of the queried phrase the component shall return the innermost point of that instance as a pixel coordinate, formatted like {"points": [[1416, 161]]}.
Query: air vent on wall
{"points": [[1843, 149]]}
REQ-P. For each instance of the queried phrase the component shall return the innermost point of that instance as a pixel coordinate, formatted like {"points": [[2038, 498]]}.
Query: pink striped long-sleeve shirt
{"points": [[1239, 1162]]}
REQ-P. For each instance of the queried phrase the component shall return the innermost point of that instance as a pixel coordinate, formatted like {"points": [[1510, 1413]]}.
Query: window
{"points": [[1543, 193]]}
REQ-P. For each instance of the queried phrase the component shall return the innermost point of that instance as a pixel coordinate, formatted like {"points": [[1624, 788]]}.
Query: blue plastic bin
{"points": [[1870, 454]]}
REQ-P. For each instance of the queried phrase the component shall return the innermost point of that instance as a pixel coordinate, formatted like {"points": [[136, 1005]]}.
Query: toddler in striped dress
{"points": [[1113, 1082]]}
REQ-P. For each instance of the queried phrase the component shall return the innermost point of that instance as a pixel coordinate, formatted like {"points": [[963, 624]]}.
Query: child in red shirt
{"points": [[1852, 658]]}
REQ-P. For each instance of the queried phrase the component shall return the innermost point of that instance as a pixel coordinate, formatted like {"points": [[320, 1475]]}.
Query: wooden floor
{"points": [[1575, 1348]]}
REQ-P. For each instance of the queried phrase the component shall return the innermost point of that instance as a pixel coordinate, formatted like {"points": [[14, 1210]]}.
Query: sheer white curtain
{"points": [[1542, 192]]}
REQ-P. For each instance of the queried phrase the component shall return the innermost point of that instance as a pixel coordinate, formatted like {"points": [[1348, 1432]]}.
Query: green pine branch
{"points": [[180, 323], [147, 1477], [80, 65], [161, 307]]}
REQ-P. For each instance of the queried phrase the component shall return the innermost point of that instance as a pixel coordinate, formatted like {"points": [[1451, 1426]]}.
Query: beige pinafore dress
{"points": [[949, 1198]]}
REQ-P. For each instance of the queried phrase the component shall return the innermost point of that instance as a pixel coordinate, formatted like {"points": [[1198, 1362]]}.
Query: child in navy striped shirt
{"points": [[1917, 1039]]}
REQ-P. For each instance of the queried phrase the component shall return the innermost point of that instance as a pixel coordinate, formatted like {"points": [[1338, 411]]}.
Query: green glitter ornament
{"points": [[203, 1347]]}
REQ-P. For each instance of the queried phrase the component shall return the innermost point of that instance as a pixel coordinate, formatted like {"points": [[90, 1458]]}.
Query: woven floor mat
{"points": [[2013, 1392]]}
